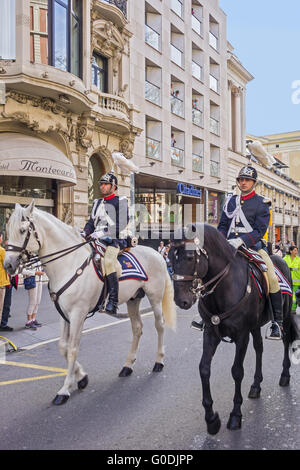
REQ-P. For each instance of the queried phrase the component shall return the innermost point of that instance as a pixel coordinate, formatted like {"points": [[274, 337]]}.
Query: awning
{"points": [[23, 155]]}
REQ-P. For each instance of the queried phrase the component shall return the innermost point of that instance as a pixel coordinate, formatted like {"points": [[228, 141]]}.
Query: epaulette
{"points": [[267, 200]]}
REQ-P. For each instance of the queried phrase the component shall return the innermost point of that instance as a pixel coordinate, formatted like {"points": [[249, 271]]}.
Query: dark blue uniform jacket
{"points": [[257, 212], [117, 209]]}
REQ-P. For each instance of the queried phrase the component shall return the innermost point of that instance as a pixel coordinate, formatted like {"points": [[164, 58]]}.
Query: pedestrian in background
{"points": [[161, 248], [7, 303], [33, 284], [167, 260], [277, 251], [293, 261], [4, 279]]}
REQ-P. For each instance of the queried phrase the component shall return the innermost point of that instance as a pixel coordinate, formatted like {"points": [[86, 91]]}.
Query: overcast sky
{"points": [[266, 38]]}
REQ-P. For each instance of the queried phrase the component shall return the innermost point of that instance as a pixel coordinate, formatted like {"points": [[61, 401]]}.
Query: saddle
{"points": [[258, 269]]}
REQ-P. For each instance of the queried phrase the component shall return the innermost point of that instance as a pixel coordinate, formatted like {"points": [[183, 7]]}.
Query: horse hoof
{"points": [[83, 382], [284, 381], [254, 392], [234, 422], [60, 399], [213, 427], [125, 372], [158, 367]]}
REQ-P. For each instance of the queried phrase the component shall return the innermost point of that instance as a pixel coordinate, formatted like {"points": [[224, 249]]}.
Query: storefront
{"points": [[31, 168], [162, 206], [214, 206]]}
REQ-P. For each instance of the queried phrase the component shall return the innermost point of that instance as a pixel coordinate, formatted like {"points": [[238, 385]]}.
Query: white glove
{"points": [[96, 235], [236, 242]]}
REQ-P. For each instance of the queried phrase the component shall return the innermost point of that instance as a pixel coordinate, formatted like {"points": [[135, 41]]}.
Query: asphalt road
{"points": [[145, 411]]}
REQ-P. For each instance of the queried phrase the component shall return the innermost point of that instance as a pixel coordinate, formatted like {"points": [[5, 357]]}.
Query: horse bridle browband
{"points": [[22, 249], [197, 287]]}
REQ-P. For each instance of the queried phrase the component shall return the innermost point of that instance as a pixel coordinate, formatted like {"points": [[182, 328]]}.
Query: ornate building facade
{"points": [[64, 102]]}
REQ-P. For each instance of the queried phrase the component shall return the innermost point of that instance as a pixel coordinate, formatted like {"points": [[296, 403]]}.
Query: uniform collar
{"points": [[248, 196], [107, 198]]}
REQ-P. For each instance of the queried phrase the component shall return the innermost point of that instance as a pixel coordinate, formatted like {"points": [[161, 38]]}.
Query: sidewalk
{"points": [[50, 319]]}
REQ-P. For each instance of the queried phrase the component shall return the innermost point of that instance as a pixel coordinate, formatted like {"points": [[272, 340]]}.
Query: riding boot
{"points": [[276, 327], [113, 293]]}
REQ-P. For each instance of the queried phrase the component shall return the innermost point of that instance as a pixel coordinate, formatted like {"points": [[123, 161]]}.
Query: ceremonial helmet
{"points": [[247, 172], [109, 178]]}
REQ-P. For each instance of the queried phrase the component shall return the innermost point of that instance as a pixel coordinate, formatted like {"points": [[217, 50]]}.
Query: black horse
{"points": [[230, 306]]}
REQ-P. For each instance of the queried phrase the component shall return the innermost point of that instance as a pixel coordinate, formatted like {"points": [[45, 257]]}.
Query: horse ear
{"points": [[17, 206], [29, 209]]}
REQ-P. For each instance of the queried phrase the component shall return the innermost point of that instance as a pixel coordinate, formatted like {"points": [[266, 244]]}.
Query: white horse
{"points": [[32, 230]]}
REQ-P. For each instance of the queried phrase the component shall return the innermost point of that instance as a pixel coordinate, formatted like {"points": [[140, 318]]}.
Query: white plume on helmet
{"points": [[259, 152], [125, 165]]}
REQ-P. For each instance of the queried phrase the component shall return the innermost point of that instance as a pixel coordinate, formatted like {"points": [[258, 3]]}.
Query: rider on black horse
{"points": [[109, 217], [244, 221]]}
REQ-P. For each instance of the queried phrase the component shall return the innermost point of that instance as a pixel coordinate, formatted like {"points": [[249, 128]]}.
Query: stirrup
{"points": [[197, 325], [269, 332]]}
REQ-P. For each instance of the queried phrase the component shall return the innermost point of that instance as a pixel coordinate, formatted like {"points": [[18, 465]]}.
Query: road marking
{"points": [[60, 371], [101, 327], [30, 379]]}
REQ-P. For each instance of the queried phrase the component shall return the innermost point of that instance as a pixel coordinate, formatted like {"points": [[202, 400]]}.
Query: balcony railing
{"points": [[153, 148], [177, 156], [176, 55], [197, 71], [214, 168], [121, 4], [177, 106], [196, 25], [198, 163], [152, 92], [214, 126], [111, 104], [152, 37], [213, 83], [197, 117], [176, 6], [213, 41]]}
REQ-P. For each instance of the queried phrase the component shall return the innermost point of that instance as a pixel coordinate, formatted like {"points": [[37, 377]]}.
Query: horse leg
{"points": [[80, 375], [210, 344], [160, 328], [235, 420], [258, 378], [286, 364], [75, 330], [133, 307]]}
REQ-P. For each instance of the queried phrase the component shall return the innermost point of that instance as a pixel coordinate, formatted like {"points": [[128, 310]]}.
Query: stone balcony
{"points": [[113, 112], [112, 10]]}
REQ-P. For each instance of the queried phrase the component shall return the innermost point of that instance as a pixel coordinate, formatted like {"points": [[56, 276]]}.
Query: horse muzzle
{"points": [[11, 264]]}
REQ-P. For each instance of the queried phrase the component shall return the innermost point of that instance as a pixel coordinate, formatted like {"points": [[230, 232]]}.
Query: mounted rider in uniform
{"points": [[109, 217], [245, 220]]}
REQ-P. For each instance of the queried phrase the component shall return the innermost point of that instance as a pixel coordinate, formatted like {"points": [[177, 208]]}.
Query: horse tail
{"points": [[168, 304]]}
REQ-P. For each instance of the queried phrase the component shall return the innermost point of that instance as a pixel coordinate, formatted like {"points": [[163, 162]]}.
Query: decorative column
{"points": [[229, 115], [237, 119]]}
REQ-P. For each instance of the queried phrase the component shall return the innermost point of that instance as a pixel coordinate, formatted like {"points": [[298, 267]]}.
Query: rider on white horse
{"points": [[109, 218]]}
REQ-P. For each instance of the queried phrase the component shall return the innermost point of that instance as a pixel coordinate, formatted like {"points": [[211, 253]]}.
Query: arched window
{"points": [[95, 171]]}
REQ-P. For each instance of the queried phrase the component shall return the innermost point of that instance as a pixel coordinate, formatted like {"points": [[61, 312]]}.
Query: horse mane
{"points": [[214, 241]]}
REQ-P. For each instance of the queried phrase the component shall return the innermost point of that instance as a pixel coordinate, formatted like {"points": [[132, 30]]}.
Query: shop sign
{"points": [[188, 190]]}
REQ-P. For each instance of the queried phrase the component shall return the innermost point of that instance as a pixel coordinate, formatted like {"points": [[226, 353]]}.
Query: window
{"points": [[177, 7], [99, 68], [66, 26], [39, 32], [8, 30], [214, 161]]}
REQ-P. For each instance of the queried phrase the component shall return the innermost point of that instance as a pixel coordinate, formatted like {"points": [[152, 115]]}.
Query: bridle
{"points": [[198, 289], [24, 253]]}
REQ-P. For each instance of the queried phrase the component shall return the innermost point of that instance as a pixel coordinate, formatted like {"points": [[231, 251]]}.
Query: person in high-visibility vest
{"points": [[293, 261]]}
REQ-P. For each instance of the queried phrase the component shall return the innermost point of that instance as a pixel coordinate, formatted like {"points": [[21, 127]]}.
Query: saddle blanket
{"points": [[131, 268], [283, 283]]}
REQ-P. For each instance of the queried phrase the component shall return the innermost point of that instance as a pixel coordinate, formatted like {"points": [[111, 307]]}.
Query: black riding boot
{"points": [[276, 327], [113, 293], [198, 325]]}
